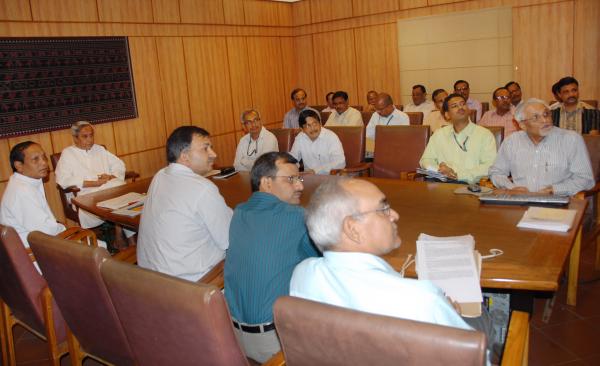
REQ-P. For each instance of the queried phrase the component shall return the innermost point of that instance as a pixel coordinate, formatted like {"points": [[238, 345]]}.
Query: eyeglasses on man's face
{"points": [[539, 118], [502, 97], [385, 210], [290, 178]]}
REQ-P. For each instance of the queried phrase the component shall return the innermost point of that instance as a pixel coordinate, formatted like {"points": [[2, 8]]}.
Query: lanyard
{"points": [[463, 147], [248, 152]]}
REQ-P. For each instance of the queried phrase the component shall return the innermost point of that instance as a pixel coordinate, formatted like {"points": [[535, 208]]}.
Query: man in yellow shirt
{"points": [[462, 152]]}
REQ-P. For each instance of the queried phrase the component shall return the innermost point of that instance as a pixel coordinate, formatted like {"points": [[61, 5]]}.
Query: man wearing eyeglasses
{"points": [[352, 223], [267, 239], [542, 158], [462, 152], [501, 116], [257, 141], [571, 113], [462, 87]]}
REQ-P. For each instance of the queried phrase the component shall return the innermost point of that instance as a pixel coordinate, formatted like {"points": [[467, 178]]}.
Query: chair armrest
{"points": [[71, 189], [30, 254], [215, 276], [79, 235], [355, 170], [276, 360], [590, 192], [130, 174], [128, 255], [517, 341]]}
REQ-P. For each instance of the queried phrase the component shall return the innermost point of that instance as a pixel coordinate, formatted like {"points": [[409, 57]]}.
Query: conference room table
{"points": [[533, 260]]}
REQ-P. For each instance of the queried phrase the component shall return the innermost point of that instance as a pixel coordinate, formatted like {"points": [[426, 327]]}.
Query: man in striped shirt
{"points": [[542, 158], [267, 239]]}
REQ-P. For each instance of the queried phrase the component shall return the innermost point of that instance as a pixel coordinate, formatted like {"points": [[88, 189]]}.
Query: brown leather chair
{"points": [[73, 274], [357, 107], [285, 138], [26, 299], [498, 132], [592, 143], [473, 115], [591, 102], [318, 107], [169, 321], [325, 117], [313, 333], [366, 116], [398, 150], [415, 118], [70, 212], [485, 106], [353, 142]]}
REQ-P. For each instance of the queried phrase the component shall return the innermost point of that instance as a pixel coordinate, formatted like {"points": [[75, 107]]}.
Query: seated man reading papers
{"points": [[184, 229], [542, 158], [462, 152]]}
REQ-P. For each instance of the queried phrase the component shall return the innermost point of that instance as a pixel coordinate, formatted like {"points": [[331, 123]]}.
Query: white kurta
{"points": [[184, 229], [351, 117], [24, 207], [321, 155], [76, 165], [249, 150], [426, 107]]}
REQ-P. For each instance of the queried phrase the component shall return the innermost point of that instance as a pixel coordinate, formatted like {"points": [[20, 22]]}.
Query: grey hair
{"points": [[77, 126], [328, 207], [247, 112], [520, 111]]}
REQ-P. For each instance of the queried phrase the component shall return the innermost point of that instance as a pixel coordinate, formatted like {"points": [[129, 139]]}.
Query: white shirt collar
{"points": [[31, 181]]}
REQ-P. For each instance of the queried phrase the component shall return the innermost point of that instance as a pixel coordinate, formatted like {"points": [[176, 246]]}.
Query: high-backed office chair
{"points": [[26, 299], [357, 107], [313, 333], [73, 275], [325, 117], [70, 212], [366, 116], [398, 150], [353, 142], [592, 143], [473, 115], [415, 118], [498, 132], [285, 138], [169, 321], [485, 106], [591, 102]]}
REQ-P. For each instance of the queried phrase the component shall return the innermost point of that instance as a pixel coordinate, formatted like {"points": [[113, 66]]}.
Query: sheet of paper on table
{"points": [[122, 201]]}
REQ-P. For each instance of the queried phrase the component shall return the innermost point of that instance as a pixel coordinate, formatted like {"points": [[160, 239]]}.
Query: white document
{"points": [[450, 264], [553, 219], [133, 209], [122, 201]]}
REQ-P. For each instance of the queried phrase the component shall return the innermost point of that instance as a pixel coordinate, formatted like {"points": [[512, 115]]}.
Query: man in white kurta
{"points": [[184, 229], [257, 141], [344, 115], [319, 148], [89, 167], [24, 205], [419, 102]]}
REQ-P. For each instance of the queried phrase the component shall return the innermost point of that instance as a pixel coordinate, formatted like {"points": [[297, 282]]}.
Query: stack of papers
{"points": [[432, 174], [453, 265], [553, 219], [133, 209], [125, 200]]}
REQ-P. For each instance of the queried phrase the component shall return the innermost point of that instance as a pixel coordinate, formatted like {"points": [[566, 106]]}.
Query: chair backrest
{"points": [[592, 142], [353, 142], [357, 107], [313, 333], [170, 321], [285, 138], [70, 213], [366, 116], [400, 107], [485, 106], [398, 149], [473, 115], [21, 285], [498, 132], [325, 117], [591, 102], [73, 274], [318, 107], [415, 118]]}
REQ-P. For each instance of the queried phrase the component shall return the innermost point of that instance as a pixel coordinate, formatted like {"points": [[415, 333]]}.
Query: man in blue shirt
{"points": [[267, 239]]}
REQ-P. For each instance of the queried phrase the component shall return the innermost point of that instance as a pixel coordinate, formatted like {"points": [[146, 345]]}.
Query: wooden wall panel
{"points": [[173, 82], [266, 73], [64, 10], [209, 83], [233, 11], [301, 13], [241, 84], [542, 46], [258, 12], [224, 146], [587, 48], [408, 4], [148, 130], [134, 11], [166, 11], [146, 163], [336, 65], [15, 10], [202, 12], [53, 197], [365, 7], [290, 72], [306, 56], [325, 10], [377, 61]]}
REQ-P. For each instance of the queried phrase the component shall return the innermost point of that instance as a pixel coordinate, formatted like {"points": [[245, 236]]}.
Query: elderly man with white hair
{"points": [[542, 158], [352, 223]]}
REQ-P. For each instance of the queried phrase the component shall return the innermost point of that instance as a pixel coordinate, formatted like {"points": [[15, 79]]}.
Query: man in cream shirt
{"points": [[419, 101], [344, 115], [184, 229], [257, 141]]}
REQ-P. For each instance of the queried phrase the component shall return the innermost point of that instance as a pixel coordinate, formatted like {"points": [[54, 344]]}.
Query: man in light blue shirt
{"points": [[351, 221]]}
